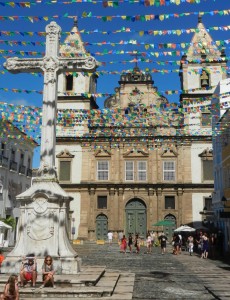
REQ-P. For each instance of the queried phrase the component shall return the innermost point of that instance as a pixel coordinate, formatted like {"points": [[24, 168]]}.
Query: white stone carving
{"points": [[50, 65]]}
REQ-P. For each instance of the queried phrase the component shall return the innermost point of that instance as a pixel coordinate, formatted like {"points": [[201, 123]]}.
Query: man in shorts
{"points": [[28, 271]]}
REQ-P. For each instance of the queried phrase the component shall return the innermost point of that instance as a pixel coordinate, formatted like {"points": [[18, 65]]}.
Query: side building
{"points": [[16, 157], [141, 159], [220, 214]]}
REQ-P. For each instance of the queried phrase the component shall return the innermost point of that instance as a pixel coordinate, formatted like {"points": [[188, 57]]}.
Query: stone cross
{"points": [[50, 64]]}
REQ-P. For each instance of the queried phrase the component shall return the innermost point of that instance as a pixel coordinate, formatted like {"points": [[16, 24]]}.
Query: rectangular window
{"points": [[208, 203], [69, 82], [64, 174], [206, 119], [102, 202], [103, 170], [208, 173], [169, 170], [141, 170], [169, 202], [129, 170]]}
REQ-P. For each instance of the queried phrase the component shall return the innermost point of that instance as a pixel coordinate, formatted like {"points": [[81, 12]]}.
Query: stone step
{"points": [[89, 276], [98, 283]]}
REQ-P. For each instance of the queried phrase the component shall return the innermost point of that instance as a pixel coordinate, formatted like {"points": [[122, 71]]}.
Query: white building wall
{"points": [[196, 162], [76, 168], [76, 171], [198, 205], [75, 206], [193, 78]]}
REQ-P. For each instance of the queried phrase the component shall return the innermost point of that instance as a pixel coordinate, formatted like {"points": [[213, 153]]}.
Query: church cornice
{"points": [[125, 140], [146, 186]]}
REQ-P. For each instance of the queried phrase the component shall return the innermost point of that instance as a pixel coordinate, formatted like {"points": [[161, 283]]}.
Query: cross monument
{"points": [[43, 224]]}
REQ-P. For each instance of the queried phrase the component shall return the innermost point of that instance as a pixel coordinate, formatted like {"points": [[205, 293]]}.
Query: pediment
{"points": [[207, 154], [169, 153], [138, 153], [102, 153], [65, 154]]}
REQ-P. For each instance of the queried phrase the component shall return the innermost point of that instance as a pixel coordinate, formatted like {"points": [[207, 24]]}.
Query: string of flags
{"points": [[99, 95], [105, 4], [134, 18], [122, 30], [182, 45], [121, 52]]}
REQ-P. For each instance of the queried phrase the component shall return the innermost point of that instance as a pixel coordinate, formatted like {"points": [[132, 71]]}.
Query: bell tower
{"points": [[75, 89], [202, 68]]}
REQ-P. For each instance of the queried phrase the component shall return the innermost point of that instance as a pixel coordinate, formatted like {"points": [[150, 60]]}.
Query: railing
{"points": [[29, 173], [13, 166], [3, 161], [22, 170]]}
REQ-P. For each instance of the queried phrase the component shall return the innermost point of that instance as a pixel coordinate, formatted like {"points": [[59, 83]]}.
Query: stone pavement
{"points": [[110, 275], [163, 276]]}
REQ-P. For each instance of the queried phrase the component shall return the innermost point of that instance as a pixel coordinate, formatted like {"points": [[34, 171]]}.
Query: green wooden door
{"points": [[169, 230], [136, 217], [101, 227]]}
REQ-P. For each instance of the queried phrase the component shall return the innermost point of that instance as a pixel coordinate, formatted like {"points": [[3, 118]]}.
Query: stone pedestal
{"points": [[42, 228]]}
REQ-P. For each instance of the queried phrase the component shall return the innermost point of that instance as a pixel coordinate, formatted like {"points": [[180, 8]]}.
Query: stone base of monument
{"points": [[63, 265], [42, 228]]}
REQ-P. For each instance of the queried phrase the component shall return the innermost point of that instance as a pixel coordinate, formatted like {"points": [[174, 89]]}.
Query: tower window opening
{"points": [[69, 82], [204, 79]]}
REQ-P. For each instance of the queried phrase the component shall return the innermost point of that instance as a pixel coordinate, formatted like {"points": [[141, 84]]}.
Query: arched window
{"points": [[69, 82]]}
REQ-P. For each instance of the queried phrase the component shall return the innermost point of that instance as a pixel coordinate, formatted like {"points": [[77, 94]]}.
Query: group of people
{"points": [[28, 273], [124, 242], [128, 243], [202, 243], [205, 245]]}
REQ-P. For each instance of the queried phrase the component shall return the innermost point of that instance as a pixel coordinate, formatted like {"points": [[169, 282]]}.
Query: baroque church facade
{"points": [[141, 159]]}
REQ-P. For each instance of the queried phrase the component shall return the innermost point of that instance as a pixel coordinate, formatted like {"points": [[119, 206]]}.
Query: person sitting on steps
{"points": [[11, 289], [48, 272], [28, 271]]}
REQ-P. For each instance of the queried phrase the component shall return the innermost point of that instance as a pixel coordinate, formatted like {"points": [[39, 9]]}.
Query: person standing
{"points": [[149, 243], [130, 242], [123, 244], [120, 236], [190, 244], [110, 237], [137, 243], [163, 238], [205, 246]]}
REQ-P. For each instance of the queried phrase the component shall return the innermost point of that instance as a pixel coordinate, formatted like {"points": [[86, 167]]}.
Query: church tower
{"points": [[75, 89], [202, 68]]}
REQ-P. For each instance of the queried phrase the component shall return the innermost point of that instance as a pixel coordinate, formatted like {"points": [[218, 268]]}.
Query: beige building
{"points": [[141, 159]]}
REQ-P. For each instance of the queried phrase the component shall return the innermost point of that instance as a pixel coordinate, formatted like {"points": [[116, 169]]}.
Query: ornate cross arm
{"points": [[22, 65], [79, 64]]}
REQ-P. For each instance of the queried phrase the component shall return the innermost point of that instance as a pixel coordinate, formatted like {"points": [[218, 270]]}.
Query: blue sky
{"points": [[112, 62]]}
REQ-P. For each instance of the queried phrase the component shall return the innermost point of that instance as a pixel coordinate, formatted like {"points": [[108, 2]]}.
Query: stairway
{"points": [[92, 282]]}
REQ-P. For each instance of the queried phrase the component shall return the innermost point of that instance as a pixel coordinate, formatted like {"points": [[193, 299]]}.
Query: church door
{"points": [[136, 217], [169, 230], [101, 227]]}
